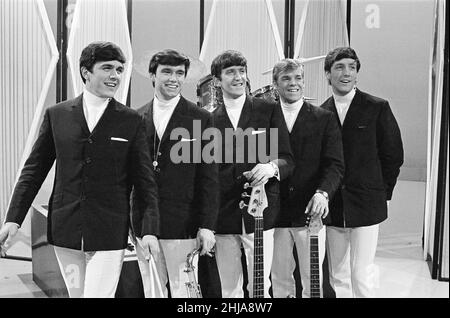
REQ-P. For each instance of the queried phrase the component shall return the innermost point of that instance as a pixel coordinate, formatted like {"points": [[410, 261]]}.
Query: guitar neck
{"points": [[258, 259], [314, 266]]}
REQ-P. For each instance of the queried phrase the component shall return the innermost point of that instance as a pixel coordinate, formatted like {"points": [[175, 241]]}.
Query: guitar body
{"points": [[256, 205]]}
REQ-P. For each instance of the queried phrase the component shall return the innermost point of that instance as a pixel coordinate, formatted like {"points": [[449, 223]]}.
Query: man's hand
{"points": [[260, 174], [7, 232], [150, 243], [206, 240], [317, 206]]}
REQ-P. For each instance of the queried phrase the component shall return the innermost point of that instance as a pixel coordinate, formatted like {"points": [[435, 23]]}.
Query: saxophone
{"points": [[193, 288]]}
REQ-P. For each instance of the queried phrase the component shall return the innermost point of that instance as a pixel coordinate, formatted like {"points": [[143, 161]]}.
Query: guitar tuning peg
{"points": [[245, 195], [246, 185], [242, 205]]}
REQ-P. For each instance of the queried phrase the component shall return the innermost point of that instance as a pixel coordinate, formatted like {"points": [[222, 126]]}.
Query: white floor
{"points": [[402, 273]]}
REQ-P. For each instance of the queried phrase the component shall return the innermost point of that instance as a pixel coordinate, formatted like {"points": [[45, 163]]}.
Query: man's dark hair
{"points": [[168, 57], [339, 54], [227, 59], [100, 52]]}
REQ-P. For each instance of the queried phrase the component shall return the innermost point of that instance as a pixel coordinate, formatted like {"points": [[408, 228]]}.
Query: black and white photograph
{"points": [[225, 150]]}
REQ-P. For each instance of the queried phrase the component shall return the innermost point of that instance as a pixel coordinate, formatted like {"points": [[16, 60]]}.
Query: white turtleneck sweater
{"points": [[343, 103], [234, 109], [291, 111], [93, 108], [162, 112]]}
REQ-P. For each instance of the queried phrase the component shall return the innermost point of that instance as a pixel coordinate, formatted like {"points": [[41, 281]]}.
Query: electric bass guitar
{"points": [[314, 226], [255, 207]]}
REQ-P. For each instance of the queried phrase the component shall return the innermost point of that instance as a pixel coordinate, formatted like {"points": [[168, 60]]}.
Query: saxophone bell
{"points": [[193, 288]]}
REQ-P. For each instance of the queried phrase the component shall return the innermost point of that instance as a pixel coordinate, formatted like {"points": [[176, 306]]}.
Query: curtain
{"points": [[435, 103], [322, 27], [246, 26], [99, 20], [445, 255], [28, 57]]}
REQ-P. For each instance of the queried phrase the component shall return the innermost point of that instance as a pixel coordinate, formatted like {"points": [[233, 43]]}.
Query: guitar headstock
{"points": [[257, 202], [314, 224]]}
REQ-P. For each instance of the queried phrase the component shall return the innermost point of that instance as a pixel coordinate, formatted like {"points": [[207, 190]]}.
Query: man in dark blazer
{"points": [[188, 186], [319, 167], [101, 153], [240, 114], [373, 153]]}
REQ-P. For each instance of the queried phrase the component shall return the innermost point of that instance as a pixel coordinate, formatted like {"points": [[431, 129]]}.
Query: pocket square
{"points": [[257, 132], [186, 139], [362, 126], [119, 139]]}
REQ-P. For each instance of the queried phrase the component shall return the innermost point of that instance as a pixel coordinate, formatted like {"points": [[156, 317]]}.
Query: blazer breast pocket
{"points": [[362, 135], [362, 124], [119, 146], [360, 128], [119, 139]]}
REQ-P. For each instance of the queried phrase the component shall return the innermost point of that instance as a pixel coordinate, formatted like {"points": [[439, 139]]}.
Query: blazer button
{"points": [[90, 140], [88, 160], [343, 187], [159, 154]]}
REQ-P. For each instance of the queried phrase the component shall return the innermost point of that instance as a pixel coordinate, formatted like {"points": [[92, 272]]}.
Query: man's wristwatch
{"points": [[322, 193]]}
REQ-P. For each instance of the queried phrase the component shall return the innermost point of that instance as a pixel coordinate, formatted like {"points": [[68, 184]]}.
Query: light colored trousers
{"points": [[171, 265], [90, 274], [283, 266], [228, 257], [351, 254]]}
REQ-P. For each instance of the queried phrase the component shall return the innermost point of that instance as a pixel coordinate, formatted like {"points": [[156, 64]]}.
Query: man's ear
{"points": [[85, 72], [152, 79], [328, 76]]}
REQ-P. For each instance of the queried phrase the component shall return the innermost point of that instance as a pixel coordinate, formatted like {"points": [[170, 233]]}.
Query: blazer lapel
{"points": [[222, 120], [175, 120], [353, 113], [107, 117], [332, 107], [78, 112], [148, 117], [246, 113], [302, 120]]}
